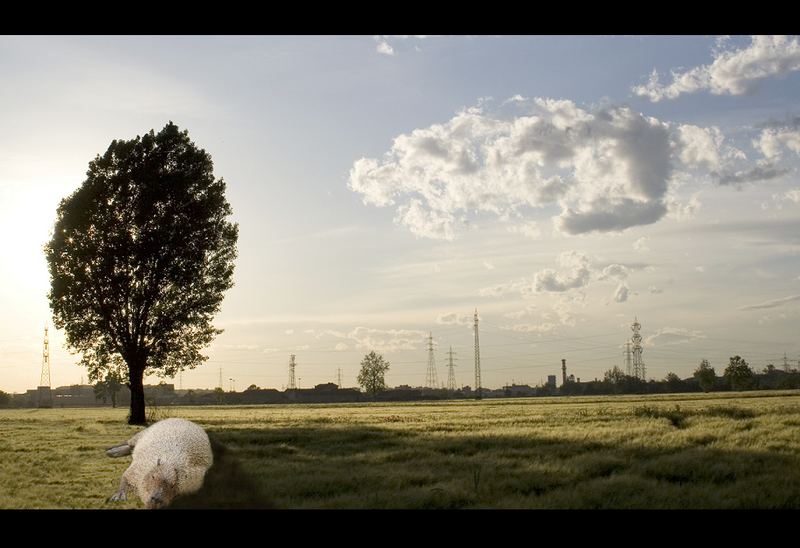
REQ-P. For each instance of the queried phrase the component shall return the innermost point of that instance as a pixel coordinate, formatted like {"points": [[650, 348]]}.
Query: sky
{"points": [[386, 187]]}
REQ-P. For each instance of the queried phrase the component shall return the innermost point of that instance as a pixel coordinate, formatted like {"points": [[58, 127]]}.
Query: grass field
{"points": [[681, 451]]}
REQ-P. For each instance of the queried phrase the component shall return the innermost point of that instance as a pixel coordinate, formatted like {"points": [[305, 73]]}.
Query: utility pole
{"points": [[430, 378], [220, 378], [451, 376], [477, 360]]}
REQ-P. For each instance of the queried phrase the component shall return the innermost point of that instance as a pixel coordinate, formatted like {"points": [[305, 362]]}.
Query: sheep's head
{"points": [[160, 485]]}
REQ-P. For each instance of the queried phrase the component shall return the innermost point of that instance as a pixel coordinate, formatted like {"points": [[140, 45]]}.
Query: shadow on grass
{"points": [[226, 485], [333, 466]]}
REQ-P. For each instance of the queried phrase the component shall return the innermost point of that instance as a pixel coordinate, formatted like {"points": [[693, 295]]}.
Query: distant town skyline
{"points": [[387, 186]]}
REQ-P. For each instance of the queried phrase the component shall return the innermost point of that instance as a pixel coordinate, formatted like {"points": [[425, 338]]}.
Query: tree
{"points": [[674, 382], [738, 374], [252, 387], [140, 257], [109, 388], [5, 399], [373, 370], [706, 376], [614, 375]]}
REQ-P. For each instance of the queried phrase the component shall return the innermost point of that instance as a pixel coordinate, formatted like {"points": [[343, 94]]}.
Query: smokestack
{"points": [[564, 371]]}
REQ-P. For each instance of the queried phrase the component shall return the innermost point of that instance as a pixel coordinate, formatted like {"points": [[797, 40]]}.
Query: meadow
{"points": [[726, 450]]}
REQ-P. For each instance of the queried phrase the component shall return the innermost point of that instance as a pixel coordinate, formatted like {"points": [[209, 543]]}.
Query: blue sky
{"points": [[552, 182]]}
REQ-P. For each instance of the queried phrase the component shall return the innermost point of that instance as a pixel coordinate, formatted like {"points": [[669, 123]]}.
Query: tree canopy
{"points": [[738, 374], [140, 258], [373, 371], [706, 376]]}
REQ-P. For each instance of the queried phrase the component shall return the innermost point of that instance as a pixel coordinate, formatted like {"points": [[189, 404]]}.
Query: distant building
{"points": [[551, 381]]}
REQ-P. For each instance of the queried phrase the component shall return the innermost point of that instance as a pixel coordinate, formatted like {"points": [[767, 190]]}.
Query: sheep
{"points": [[170, 458]]}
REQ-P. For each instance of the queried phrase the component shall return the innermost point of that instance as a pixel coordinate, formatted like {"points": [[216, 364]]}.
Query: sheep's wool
{"points": [[178, 443]]}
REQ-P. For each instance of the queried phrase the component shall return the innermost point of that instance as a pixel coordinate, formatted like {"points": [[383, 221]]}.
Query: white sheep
{"points": [[170, 458]]}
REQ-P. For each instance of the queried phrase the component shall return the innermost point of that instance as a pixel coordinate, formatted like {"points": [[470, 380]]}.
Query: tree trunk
{"points": [[137, 396]]}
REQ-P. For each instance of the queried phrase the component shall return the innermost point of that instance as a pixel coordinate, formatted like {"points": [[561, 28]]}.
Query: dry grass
{"points": [[682, 451]]}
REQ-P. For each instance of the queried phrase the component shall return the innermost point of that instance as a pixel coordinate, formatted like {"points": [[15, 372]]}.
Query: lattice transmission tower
{"points": [[292, 383], [636, 339], [43, 390], [477, 360], [451, 375], [431, 380]]}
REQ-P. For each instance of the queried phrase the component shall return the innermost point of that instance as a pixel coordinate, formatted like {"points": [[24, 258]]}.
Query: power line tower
{"points": [[451, 375], [627, 353], [220, 378], [431, 380], [477, 360], [45, 394], [785, 363], [339, 377], [292, 383], [638, 364]]}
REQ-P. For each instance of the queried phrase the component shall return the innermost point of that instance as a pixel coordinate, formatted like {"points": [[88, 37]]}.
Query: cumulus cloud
{"points": [[614, 271], [607, 169], [340, 347], [655, 290], [488, 265], [734, 71], [386, 340], [772, 142], [574, 273], [621, 294], [772, 303], [672, 335]]}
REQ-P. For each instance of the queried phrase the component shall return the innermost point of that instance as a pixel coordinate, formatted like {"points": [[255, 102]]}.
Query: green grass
{"points": [[737, 450]]}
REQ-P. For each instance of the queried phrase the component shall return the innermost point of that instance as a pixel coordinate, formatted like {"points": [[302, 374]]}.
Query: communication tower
{"points": [[477, 360], [638, 364]]}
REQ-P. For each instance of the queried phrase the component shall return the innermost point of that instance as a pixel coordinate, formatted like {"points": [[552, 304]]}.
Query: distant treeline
{"points": [[738, 375]]}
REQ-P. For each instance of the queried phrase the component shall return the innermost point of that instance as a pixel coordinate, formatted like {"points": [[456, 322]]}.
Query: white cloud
{"points": [[733, 71], [672, 335], [574, 274], [684, 211], [700, 269], [793, 195], [772, 141], [269, 350], [621, 294], [488, 265], [608, 169], [384, 48], [289, 331], [640, 245], [386, 340], [772, 303], [655, 290], [340, 347], [303, 347], [452, 318], [615, 271]]}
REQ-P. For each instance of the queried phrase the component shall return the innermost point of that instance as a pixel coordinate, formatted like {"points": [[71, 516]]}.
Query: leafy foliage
{"points": [[706, 376], [738, 374], [140, 257], [373, 371]]}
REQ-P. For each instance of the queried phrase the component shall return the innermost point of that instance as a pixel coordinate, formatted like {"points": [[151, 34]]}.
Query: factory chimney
{"points": [[564, 371]]}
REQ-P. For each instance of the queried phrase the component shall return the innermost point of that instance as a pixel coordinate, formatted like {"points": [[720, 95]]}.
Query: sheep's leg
{"points": [[124, 487]]}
